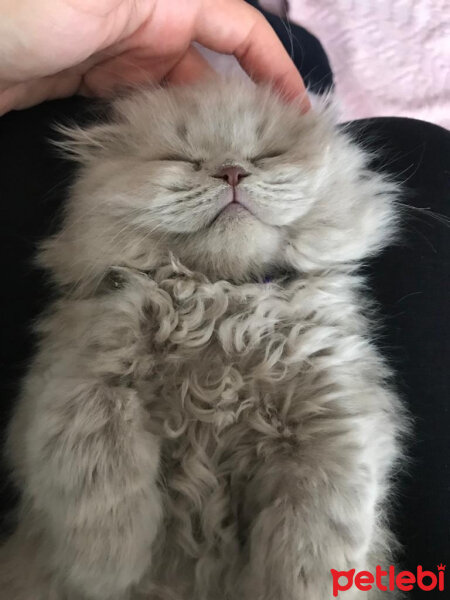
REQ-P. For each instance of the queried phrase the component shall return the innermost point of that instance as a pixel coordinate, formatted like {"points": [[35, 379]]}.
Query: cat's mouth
{"points": [[235, 207]]}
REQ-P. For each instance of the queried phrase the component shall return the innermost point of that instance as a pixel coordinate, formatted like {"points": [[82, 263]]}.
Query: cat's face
{"points": [[225, 176]]}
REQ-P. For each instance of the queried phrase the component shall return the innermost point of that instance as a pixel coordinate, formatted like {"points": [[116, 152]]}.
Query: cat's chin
{"points": [[236, 247]]}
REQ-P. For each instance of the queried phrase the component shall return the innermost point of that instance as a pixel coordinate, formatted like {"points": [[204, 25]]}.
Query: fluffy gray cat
{"points": [[207, 417]]}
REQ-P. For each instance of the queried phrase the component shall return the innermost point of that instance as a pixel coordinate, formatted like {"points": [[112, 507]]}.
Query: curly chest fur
{"points": [[215, 353], [229, 374]]}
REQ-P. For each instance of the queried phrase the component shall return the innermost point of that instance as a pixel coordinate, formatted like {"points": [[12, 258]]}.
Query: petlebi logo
{"points": [[388, 580]]}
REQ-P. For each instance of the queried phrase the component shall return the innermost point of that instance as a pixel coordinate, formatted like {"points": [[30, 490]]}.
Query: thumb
{"points": [[190, 68]]}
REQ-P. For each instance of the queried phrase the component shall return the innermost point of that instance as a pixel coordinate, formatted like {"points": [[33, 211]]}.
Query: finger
{"points": [[234, 27], [130, 69], [190, 68]]}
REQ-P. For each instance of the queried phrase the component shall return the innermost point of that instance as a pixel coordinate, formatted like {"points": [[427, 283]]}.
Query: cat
{"points": [[207, 417]]}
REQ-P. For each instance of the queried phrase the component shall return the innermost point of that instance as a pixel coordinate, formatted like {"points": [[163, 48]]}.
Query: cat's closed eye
{"points": [[266, 155], [183, 159]]}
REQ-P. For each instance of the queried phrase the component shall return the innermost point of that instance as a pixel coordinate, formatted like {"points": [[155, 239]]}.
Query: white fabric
{"points": [[389, 57]]}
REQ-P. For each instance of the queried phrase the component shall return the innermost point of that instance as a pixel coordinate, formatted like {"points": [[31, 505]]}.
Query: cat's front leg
{"points": [[88, 472], [313, 504]]}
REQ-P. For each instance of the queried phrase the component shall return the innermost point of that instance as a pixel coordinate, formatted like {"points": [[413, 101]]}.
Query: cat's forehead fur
{"points": [[228, 118]]}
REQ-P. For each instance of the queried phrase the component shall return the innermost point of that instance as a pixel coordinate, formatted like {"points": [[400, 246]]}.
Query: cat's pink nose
{"points": [[231, 174]]}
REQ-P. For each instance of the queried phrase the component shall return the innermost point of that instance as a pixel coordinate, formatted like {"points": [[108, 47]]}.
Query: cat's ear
{"points": [[84, 144]]}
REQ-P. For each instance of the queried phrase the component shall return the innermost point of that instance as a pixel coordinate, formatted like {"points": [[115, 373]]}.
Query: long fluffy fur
{"points": [[188, 430]]}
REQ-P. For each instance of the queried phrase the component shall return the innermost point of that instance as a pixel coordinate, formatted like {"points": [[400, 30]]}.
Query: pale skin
{"points": [[56, 48]]}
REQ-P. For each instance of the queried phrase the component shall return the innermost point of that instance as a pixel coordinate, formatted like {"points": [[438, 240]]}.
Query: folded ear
{"points": [[83, 144]]}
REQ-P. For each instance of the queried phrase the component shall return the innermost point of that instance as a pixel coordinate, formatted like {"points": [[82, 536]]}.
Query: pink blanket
{"points": [[389, 57]]}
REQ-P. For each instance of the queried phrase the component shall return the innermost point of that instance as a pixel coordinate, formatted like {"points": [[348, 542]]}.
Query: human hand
{"points": [[56, 48]]}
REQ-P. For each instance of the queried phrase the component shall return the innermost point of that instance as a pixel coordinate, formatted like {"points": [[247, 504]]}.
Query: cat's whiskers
{"points": [[425, 211]]}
